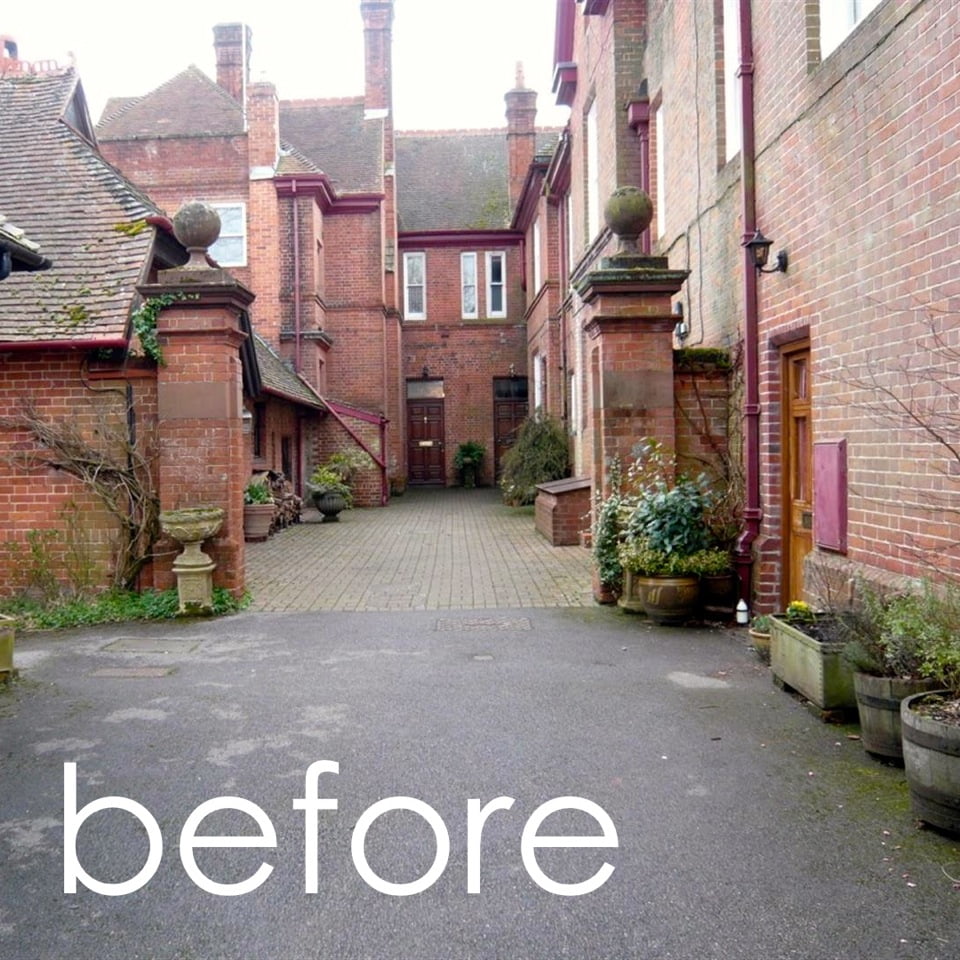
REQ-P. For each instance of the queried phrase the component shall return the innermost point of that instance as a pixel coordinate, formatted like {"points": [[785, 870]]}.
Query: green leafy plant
{"points": [[467, 460], [257, 493], [539, 455], [709, 562], [113, 606], [327, 480], [144, 321], [760, 623], [640, 557]]}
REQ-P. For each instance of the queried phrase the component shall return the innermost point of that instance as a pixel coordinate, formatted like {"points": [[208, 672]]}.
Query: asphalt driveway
{"points": [[744, 827]]}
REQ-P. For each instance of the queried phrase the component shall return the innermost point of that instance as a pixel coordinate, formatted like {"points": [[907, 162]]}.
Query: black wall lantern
{"points": [[759, 247]]}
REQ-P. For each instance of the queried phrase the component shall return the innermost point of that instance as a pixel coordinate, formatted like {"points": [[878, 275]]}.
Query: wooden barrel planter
{"points": [[931, 756], [878, 703]]}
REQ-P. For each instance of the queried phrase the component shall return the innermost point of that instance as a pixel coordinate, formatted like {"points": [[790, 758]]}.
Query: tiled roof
{"points": [[56, 186], [334, 135], [278, 378], [455, 179], [189, 105]]}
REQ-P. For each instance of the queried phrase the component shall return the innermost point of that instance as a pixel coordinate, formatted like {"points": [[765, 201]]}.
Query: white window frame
{"points": [[408, 258], [593, 174], [731, 82], [490, 255], [225, 234], [536, 240], [468, 282], [838, 19], [537, 381]]}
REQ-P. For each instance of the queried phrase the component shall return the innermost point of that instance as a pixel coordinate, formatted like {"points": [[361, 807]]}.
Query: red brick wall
{"points": [[467, 354], [60, 387]]}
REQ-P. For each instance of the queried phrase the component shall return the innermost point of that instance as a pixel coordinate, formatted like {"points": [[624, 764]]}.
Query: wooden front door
{"points": [[797, 467], [510, 407], [425, 455]]}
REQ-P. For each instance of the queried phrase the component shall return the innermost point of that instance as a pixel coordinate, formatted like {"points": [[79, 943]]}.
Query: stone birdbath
{"points": [[193, 568]]}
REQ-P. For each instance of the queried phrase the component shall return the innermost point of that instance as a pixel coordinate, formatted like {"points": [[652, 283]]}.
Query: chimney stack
{"points": [[521, 133], [232, 42]]}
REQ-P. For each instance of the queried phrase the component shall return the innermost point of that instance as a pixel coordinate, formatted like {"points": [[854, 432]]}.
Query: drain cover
{"points": [[486, 623], [151, 645], [120, 673]]}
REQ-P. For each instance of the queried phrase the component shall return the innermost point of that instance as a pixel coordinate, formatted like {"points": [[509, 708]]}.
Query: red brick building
{"points": [[387, 273], [826, 125], [82, 393]]}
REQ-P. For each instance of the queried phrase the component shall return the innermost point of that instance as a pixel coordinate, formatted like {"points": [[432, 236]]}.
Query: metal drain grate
{"points": [[151, 645], [485, 623], [134, 673]]}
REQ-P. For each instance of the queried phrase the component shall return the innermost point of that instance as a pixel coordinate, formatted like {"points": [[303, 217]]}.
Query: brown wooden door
{"points": [[510, 409], [797, 467], [425, 455], [508, 417]]}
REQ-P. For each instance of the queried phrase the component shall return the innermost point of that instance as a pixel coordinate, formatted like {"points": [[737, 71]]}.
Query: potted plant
{"points": [[884, 651], [665, 586], [330, 492], [931, 721], [666, 542], [467, 460], [760, 635], [259, 511], [806, 655], [717, 581]]}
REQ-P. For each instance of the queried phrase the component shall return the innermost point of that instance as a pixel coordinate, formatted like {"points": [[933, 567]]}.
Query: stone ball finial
{"points": [[628, 213], [197, 226]]}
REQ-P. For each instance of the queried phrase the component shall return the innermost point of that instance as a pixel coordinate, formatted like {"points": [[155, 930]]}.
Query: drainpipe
{"points": [[752, 512], [297, 358]]}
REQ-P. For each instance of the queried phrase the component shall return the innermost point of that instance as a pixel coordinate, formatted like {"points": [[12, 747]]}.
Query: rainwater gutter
{"points": [[752, 511], [21, 346], [295, 213]]}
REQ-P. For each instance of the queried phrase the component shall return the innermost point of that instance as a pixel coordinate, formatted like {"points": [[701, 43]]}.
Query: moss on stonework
{"points": [[700, 358]]}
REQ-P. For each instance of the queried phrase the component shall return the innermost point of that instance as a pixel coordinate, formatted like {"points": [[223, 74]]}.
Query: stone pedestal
{"points": [[202, 459]]}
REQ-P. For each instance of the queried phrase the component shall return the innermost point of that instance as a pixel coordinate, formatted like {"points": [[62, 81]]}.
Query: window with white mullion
{"points": [[468, 286], [496, 264], [230, 249], [838, 18], [415, 286]]}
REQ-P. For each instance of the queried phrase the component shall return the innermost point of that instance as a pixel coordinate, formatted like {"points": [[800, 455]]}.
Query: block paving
{"points": [[430, 549]]}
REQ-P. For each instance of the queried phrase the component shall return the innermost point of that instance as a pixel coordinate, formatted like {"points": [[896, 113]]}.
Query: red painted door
{"points": [[425, 455]]}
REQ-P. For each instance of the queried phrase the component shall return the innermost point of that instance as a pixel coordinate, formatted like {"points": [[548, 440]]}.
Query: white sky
{"points": [[453, 60]]}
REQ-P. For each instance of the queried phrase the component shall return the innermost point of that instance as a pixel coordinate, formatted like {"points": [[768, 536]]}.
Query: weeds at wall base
{"points": [[115, 606]]}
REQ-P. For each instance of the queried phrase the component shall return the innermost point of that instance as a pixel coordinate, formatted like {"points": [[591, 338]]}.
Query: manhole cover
{"points": [[120, 673], [486, 623], [151, 645]]}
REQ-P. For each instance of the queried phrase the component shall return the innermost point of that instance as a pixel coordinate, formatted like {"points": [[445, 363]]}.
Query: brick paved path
{"points": [[428, 550]]}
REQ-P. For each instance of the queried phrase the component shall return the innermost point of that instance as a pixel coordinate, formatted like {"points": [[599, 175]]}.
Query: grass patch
{"points": [[114, 606]]}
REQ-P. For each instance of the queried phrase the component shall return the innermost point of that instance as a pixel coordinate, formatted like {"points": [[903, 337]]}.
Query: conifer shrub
{"points": [[539, 455]]}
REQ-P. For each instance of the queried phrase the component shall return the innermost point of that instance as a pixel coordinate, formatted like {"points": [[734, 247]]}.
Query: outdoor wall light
{"points": [[759, 247], [681, 331]]}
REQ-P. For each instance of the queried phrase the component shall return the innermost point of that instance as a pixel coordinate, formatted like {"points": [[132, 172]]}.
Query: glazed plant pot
{"points": [[668, 600], [330, 504], [931, 757]]}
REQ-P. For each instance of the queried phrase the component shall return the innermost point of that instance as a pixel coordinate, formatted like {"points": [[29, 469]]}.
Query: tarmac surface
{"points": [[745, 828]]}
